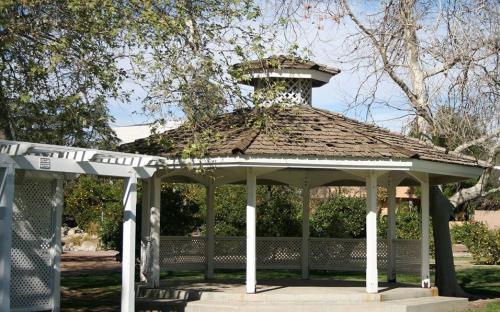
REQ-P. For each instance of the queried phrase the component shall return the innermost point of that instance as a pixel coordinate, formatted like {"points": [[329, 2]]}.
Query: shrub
{"points": [[339, 216], [96, 205], [482, 243]]}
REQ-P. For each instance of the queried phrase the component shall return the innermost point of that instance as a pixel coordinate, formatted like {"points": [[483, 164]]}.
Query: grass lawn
{"points": [[101, 292]]}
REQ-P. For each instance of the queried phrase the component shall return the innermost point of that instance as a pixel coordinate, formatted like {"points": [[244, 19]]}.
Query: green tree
{"points": [[339, 216], [57, 68], [97, 203]]}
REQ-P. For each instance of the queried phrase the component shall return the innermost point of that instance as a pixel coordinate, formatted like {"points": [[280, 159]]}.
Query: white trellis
{"points": [[31, 200], [179, 253]]}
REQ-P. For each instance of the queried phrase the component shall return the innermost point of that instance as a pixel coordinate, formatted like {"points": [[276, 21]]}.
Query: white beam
{"points": [[424, 202], [155, 202], [128, 249], [210, 222], [30, 162], [145, 274], [391, 228], [251, 267], [305, 230], [7, 175], [371, 234]]}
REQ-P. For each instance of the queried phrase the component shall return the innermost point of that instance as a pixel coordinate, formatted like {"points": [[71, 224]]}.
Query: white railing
{"points": [[340, 254]]}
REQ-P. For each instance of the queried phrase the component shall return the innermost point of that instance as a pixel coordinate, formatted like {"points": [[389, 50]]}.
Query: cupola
{"points": [[292, 77]]}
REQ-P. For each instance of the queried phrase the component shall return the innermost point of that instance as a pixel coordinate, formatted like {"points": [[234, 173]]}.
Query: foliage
{"points": [[339, 216], [278, 211], [57, 68], [482, 243], [98, 201], [182, 209]]}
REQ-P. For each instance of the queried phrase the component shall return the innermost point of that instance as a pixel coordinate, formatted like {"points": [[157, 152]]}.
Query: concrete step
{"points": [[289, 295], [427, 304]]}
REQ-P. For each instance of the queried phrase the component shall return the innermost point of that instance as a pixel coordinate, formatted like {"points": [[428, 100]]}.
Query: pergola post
{"points": [[128, 250], [145, 274], [210, 199], [391, 230], [424, 202], [371, 234], [155, 202], [7, 175], [57, 246], [305, 230], [251, 265]]}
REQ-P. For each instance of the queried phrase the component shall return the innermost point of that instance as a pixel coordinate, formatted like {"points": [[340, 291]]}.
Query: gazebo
{"points": [[301, 146]]}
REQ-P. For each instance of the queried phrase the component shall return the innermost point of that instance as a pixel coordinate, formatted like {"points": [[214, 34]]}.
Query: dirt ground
{"points": [[75, 262]]}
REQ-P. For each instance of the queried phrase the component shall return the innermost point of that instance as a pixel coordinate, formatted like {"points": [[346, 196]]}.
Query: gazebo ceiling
{"points": [[297, 131]]}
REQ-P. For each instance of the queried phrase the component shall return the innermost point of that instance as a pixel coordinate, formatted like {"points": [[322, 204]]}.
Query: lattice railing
{"points": [[408, 255], [339, 254], [182, 253]]}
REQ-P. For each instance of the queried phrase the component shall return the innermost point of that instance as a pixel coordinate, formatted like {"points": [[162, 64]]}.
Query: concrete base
{"points": [[292, 295]]}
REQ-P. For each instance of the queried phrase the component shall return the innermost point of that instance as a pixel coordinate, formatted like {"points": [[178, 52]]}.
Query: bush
{"points": [[339, 216], [279, 211], [96, 205], [482, 243]]}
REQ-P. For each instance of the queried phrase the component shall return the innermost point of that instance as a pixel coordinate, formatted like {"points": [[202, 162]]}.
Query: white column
{"points": [[371, 234], [155, 191], [251, 270], [424, 202], [145, 274], [305, 230], [210, 197], [128, 250], [57, 247], [6, 201], [391, 230]]}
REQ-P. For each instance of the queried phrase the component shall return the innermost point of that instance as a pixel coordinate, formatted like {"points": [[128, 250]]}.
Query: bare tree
{"points": [[444, 57]]}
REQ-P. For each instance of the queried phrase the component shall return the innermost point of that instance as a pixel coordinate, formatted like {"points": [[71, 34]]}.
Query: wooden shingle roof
{"points": [[297, 131]]}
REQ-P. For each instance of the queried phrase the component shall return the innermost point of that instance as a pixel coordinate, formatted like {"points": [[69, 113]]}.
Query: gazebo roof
{"points": [[297, 131]]}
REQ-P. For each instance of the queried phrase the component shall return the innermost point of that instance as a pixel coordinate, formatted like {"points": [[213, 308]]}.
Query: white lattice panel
{"points": [[285, 253], [180, 253], [279, 252], [32, 234], [337, 254], [293, 92], [230, 252], [408, 255]]}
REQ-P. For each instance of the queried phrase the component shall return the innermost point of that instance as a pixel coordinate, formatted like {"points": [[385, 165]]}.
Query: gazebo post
{"points": [[7, 175], [155, 203], [128, 250], [210, 198], [251, 265], [424, 202], [391, 230], [145, 274], [305, 230], [371, 234]]}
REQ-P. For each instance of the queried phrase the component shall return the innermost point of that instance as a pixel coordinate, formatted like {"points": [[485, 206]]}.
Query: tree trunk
{"points": [[446, 280]]}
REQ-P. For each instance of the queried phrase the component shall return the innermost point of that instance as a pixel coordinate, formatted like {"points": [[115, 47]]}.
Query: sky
{"points": [[326, 45]]}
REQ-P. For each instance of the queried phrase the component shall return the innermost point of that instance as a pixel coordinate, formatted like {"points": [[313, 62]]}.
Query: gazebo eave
{"points": [[440, 172]]}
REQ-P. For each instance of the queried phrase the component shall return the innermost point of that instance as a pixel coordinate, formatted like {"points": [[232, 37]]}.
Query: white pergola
{"points": [[22, 164], [24, 160]]}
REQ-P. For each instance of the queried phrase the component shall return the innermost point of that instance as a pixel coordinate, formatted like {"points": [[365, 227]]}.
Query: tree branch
{"points": [[480, 140], [383, 52]]}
